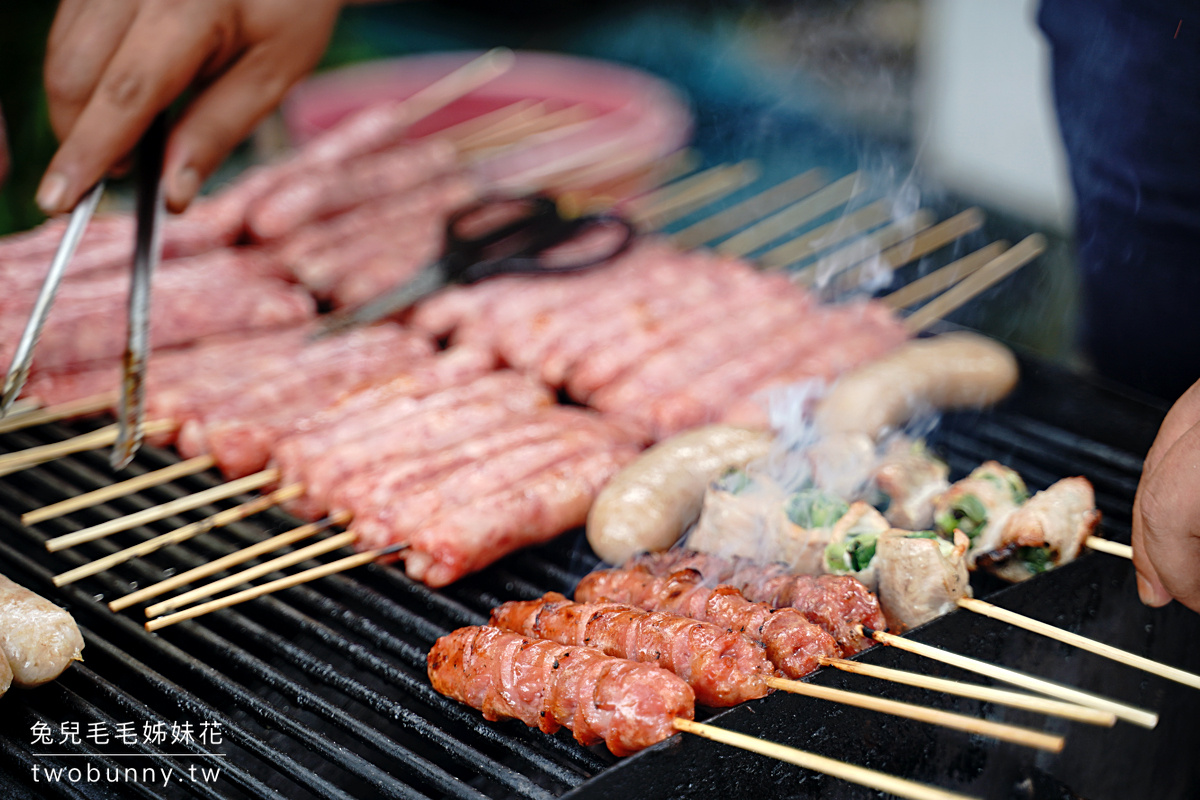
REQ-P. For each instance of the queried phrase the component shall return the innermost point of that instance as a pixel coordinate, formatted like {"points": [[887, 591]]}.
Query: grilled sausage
{"points": [[954, 370], [628, 706], [38, 638], [793, 644], [648, 505], [723, 668], [837, 603]]}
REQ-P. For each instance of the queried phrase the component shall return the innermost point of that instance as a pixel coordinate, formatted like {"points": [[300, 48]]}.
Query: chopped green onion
{"points": [[1036, 559], [734, 481], [852, 554], [813, 508], [968, 514], [922, 535]]}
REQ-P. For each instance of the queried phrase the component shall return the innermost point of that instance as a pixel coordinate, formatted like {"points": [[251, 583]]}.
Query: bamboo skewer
{"points": [[468, 133], [349, 562], [750, 210], [780, 223], [935, 716], [827, 236], [252, 573], [939, 280], [998, 268], [40, 416], [870, 248], [1138, 716], [190, 531], [645, 203], [716, 183], [853, 773], [111, 492], [230, 560], [1112, 548], [169, 509], [920, 245], [988, 694], [101, 437], [458, 83], [1082, 642], [513, 133]]}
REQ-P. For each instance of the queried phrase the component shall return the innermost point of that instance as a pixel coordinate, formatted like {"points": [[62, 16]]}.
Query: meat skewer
{"points": [[629, 706], [721, 667]]}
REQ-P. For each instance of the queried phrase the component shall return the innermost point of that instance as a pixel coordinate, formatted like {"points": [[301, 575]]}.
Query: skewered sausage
{"points": [[649, 504], [723, 668], [38, 638], [793, 644], [628, 706]]}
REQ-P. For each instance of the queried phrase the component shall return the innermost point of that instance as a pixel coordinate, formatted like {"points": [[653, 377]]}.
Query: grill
{"points": [[320, 691]]}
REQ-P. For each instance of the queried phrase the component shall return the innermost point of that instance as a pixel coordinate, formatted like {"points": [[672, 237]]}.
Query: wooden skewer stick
{"points": [[221, 518], [1112, 548], [924, 243], [995, 270], [1138, 716], [934, 716], [74, 408], [458, 83], [349, 562], [716, 184], [644, 203], [101, 437], [231, 560], [113, 491], [465, 134], [794, 216], [516, 134], [599, 186], [853, 773], [872, 246], [827, 236], [1082, 642], [252, 573], [169, 509], [750, 210], [988, 694], [939, 280]]}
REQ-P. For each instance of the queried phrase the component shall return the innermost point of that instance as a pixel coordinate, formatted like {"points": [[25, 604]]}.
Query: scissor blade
{"points": [[18, 371], [424, 284], [147, 253]]}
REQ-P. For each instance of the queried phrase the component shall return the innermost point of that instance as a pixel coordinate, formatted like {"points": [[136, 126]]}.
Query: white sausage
{"points": [[648, 505], [954, 370], [38, 638]]}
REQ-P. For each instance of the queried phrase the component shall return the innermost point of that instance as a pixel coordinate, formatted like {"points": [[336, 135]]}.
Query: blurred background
{"points": [[947, 102]]}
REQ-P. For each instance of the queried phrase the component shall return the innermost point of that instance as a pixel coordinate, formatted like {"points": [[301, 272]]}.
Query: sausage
{"points": [[793, 644], [6, 676], [837, 603], [951, 371], [648, 505], [722, 667], [628, 706], [38, 638]]}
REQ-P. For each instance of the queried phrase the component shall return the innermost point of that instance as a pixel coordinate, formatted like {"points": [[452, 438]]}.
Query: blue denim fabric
{"points": [[1126, 77]]}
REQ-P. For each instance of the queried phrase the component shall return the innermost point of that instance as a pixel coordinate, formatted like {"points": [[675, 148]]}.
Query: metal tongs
{"points": [[146, 255]]}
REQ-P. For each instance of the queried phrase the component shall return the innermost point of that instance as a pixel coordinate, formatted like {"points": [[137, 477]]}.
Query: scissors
{"points": [[503, 236], [146, 255]]}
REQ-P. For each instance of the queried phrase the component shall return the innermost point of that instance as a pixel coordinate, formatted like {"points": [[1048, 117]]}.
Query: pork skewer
{"points": [[630, 706]]}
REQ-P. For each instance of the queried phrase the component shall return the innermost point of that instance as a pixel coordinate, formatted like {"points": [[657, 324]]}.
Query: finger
{"points": [[82, 41], [228, 110], [1149, 585], [155, 62], [1184, 414], [1169, 511]]}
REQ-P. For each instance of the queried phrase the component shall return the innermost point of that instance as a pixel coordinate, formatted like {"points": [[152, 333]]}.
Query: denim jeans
{"points": [[1126, 77]]}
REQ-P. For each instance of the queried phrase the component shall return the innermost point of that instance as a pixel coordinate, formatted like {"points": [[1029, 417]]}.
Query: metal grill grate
{"points": [[320, 690]]}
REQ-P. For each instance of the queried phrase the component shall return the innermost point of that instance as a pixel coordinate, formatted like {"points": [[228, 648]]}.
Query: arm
{"points": [[112, 65]]}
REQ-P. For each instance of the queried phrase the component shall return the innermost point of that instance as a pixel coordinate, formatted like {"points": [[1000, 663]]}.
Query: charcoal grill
{"points": [[319, 691]]}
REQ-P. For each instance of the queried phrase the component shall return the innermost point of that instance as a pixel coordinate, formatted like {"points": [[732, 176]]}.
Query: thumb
{"points": [[1167, 525]]}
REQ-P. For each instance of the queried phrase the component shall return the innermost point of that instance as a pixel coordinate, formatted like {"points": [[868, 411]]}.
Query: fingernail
{"points": [[185, 187], [52, 192], [1150, 594]]}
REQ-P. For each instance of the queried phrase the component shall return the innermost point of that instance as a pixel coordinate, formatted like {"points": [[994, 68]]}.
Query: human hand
{"points": [[1166, 510], [112, 65]]}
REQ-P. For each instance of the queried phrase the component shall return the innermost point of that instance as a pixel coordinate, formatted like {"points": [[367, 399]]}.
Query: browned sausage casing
{"points": [[793, 644], [723, 668], [628, 706]]}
